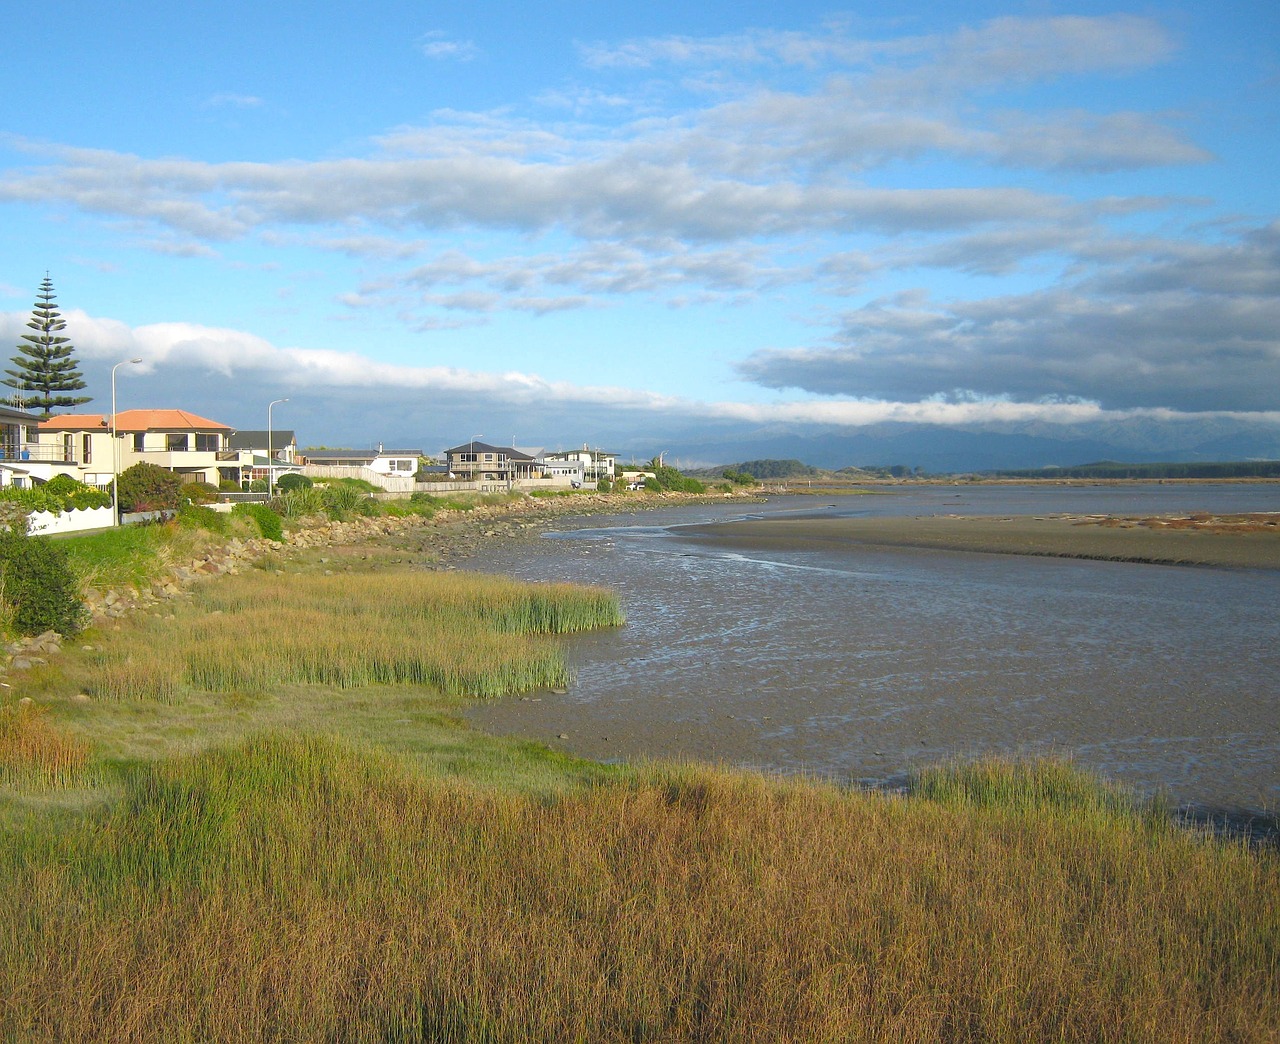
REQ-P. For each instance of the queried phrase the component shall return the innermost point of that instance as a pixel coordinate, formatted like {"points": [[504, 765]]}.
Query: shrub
{"points": [[195, 516], [38, 585], [76, 494], [268, 521], [145, 487], [290, 482], [298, 503], [61, 493], [199, 492], [341, 499], [229, 486], [258, 486], [604, 486]]}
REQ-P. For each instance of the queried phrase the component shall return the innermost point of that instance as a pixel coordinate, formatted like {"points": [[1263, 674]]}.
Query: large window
{"points": [[139, 441], [176, 442], [87, 456], [207, 443]]}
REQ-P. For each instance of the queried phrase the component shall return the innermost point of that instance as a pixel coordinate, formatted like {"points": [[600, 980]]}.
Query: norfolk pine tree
{"points": [[45, 368]]}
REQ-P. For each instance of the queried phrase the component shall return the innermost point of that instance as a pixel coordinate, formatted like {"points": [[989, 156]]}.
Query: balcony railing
{"points": [[30, 451]]}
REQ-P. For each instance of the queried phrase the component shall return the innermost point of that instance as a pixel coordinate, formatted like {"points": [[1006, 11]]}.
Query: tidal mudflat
{"points": [[850, 642]]}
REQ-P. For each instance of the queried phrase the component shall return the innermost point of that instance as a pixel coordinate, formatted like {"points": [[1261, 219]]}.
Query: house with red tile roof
{"points": [[190, 445]]}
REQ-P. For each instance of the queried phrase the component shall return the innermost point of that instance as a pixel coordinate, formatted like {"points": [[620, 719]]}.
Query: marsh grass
{"points": [[36, 752], [461, 634], [303, 890]]}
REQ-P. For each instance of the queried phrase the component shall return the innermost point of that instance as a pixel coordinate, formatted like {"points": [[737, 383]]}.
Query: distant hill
{"points": [[763, 469]]}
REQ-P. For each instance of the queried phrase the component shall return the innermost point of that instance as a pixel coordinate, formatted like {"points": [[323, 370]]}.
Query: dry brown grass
{"points": [[34, 750]]}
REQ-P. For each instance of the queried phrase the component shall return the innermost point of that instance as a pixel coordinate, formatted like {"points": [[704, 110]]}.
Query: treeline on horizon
{"points": [[1161, 470], [766, 470]]}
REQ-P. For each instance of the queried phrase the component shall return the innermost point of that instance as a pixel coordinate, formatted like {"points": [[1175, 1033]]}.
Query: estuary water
{"points": [[859, 664]]}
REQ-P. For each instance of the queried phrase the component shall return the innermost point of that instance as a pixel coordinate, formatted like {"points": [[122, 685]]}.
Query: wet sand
{"points": [[1251, 541]]}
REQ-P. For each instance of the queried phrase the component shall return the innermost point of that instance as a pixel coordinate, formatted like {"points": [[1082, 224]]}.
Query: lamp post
{"points": [[115, 445], [271, 471]]}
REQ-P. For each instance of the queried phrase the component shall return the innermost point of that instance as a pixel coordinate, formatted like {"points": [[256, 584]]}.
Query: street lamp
{"points": [[271, 471], [115, 445]]}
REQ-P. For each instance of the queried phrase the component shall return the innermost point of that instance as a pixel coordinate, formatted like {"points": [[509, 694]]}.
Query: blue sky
{"points": [[689, 227]]}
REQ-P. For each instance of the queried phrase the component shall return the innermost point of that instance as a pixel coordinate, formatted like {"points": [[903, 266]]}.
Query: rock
{"points": [[564, 735], [81, 697], [26, 701]]}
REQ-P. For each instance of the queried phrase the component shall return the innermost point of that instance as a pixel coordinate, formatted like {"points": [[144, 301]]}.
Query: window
{"points": [[177, 442], [402, 465], [207, 443], [68, 447], [139, 441], [87, 456]]}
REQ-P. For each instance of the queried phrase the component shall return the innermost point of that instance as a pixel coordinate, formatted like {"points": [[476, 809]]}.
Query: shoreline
{"points": [[1241, 542]]}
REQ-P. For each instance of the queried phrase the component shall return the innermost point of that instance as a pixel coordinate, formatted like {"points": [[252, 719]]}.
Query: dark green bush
{"points": [[268, 522], [293, 481], [199, 493], [38, 585], [145, 487]]}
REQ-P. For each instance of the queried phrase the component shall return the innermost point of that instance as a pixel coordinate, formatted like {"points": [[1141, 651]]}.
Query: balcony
{"points": [[34, 452]]}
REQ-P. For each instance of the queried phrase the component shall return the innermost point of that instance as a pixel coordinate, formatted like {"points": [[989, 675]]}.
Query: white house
{"points": [[596, 464]]}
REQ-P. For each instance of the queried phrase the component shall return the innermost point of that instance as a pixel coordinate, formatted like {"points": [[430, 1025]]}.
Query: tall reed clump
{"points": [[35, 751], [295, 889], [463, 634]]}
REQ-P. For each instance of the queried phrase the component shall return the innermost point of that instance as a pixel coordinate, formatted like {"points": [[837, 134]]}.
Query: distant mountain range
{"points": [[955, 450]]}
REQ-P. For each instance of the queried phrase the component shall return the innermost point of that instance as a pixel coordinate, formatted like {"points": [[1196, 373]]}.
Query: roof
{"points": [[8, 413], [280, 438], [165, 420], [370, 454], [484, 447], [75, 422]]}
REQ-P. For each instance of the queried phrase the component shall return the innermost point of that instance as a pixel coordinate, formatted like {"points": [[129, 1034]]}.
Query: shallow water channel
{"points": [[859, 664]]}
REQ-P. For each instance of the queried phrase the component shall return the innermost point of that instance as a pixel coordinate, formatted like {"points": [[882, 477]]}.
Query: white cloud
{"points": [[437, 45], [226, 100]]}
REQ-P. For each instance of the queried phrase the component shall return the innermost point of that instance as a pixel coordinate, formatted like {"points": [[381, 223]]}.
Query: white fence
{"points": [[73, 521], [391, 483]]}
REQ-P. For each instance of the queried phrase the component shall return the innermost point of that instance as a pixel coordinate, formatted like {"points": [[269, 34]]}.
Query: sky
{"points": [[699, 229]]}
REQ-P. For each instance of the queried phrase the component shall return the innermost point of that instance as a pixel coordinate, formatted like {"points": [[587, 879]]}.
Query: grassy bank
{"points": [[252, 815]]}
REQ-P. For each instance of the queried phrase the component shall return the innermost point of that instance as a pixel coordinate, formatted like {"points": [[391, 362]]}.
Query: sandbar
{"points": [[1239, 541]]}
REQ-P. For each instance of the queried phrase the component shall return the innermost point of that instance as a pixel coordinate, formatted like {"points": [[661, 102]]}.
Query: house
{"points": [[78, 445], [480, 462], [596, 464], [258, 460], [569, 472], [283, 448], [176, 440], [397, 462], [17, 442]]}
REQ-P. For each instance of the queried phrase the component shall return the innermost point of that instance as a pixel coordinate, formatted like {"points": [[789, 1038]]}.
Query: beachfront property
{"points": [[256, 460], [402, 463], [479, 462], [17, 439], [596, 464], [176, 440]]}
